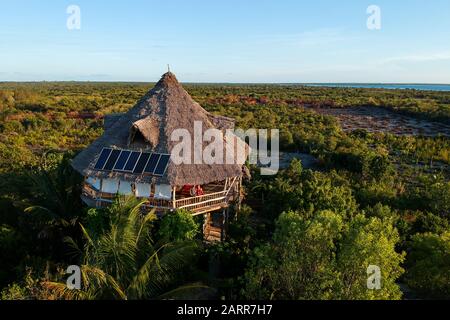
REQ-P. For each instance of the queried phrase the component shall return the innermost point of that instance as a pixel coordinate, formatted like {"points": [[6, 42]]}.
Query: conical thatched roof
{"points": [[163, 109]]}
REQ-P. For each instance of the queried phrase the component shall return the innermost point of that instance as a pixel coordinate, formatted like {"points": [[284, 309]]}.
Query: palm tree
{"points": [[57, 191], [57, 207], [124, 263]]}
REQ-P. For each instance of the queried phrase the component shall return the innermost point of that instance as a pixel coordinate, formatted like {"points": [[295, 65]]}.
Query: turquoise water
{"points": [[431, 87]]}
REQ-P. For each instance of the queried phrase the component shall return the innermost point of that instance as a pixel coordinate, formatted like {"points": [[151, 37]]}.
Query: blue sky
{"points": [[226, 41]]}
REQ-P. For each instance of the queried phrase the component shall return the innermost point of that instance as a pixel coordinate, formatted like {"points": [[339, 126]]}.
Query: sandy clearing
{"points": [[375, 119]]}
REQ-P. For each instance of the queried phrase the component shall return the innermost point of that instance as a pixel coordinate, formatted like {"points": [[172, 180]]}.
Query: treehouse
{"points": [[134, 157]]}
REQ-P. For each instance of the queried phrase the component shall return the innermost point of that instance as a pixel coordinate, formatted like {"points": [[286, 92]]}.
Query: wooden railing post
{"points": [[174, 197]]}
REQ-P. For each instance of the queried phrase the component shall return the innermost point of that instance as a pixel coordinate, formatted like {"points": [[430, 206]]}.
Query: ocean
{"points": [[431, 87]]}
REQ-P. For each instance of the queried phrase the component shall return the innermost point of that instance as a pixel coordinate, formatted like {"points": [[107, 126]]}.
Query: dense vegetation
{"points": [[374, 199]]}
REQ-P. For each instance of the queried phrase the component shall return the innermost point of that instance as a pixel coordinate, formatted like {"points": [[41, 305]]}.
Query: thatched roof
{"points": [[148, 127], [110, 119]]}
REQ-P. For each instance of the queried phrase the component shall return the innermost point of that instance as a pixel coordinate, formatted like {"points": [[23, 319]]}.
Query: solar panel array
{"points": [[135, 162]]}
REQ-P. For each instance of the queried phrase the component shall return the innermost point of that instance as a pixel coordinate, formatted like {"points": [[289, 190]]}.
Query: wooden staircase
{"points": [[212, 234]]}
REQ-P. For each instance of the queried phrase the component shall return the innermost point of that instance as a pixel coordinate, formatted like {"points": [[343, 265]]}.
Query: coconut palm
{"points": [[124, 262], [56, 209], [57, 193]]}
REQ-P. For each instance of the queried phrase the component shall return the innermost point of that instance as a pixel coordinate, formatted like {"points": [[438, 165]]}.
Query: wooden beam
{"points": [[174, 197], [207, 210], [101, 190]]}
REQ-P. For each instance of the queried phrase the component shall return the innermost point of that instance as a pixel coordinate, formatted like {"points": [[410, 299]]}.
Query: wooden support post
{"points": [[98, 202], [222, 227], [101, 185], [227, 217], [205, 225], [226, 185], [174, 197], [134, 189], [239, 191]]}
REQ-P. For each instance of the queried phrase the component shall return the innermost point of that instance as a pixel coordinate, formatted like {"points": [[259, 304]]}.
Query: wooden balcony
{"points": [[212, 201], [196, 205]]}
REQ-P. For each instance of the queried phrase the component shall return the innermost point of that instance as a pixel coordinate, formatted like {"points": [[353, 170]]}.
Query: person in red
{"points": [[193, 191], [199, 191], [186, 190]]}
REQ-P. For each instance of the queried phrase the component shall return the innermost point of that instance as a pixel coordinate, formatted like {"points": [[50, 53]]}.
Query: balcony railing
{"points": [[197, 205], [189, 202]]}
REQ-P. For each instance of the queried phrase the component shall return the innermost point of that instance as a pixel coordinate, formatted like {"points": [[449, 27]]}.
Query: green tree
{"points": [[56, 193], [286, 140], [428, 265], [124, 263], [369, 242], [379, 167], [178, 226], [307, 191], [324, 258]]}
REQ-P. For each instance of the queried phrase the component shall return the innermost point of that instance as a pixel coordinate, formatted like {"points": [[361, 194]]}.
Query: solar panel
{"points": [[151, 164], [112, 160], [102, 159], [121, 162], [131, 163], [162, 165], [141, 163]]}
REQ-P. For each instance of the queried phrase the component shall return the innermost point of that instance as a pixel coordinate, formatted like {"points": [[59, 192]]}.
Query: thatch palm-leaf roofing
{"points": [[162, 110]]}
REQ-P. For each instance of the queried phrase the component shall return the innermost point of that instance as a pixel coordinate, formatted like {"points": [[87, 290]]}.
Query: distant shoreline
{"points": [[391, 86], [387, 86]]}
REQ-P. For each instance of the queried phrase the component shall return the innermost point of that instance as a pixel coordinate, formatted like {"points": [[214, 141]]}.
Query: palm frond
{"points": [[95, 278], [61, 291], [140, 282], [123, 263], [76, 250], [86, 235]]}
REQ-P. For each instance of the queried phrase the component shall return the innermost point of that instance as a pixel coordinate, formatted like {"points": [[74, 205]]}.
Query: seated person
{"points": [[186, 190], [192, 191], [199, 191]]}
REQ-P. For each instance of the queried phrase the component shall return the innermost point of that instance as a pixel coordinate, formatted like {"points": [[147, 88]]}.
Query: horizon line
{"points": [[229, 82]]}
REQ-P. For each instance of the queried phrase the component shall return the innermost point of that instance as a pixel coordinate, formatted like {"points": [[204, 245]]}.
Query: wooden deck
{"points": [[212, 201], [213, 205]]}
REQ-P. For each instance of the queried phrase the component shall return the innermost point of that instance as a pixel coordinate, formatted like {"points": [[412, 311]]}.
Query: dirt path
{"points": [[375, 119]]}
